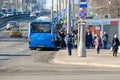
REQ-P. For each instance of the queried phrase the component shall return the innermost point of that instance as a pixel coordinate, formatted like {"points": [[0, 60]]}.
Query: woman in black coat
{"points": [[115, 44]]}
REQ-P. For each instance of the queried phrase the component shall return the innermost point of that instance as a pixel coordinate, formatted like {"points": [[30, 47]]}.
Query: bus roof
{"points": [[43, 19]]}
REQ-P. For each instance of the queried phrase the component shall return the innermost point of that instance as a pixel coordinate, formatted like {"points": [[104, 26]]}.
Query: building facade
{"points": [[11, 4], [0, 3], [42, 3]]}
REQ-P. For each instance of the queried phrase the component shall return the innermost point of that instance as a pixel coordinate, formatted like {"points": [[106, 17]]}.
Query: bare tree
{"points": [[102, 7]]}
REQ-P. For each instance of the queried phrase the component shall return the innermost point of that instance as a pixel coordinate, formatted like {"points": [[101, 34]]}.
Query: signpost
{"points": [[81, 30]]}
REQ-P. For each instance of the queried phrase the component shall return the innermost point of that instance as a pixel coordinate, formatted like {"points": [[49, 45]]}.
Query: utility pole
{"points": [[57, 8], [68, 16], [31, 6], [118, 6], [118, 28], [63, 7], [66, 3], [109, 7], [66, 9], [16, 4], [73, 14], [52, 10], [60, 7]]}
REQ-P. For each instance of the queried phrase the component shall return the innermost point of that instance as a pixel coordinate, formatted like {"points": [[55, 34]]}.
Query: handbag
{"points": [[111, 48], [118, 49]]}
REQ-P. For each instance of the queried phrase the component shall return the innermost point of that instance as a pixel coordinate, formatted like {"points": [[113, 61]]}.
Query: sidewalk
{"points": [[104, 59]]}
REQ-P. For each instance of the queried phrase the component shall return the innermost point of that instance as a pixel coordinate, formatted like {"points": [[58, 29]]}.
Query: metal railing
{"points": [[4, 19]]}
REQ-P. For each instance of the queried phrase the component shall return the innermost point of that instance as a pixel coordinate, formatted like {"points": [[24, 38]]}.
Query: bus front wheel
{"points": [[32, 48]]}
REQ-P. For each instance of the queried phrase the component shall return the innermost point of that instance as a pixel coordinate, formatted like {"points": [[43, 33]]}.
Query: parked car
{"points": [[33, 14], [12, 24], [19, 13], [15, 32], [9, 14], [11, 10], [1, 15]]}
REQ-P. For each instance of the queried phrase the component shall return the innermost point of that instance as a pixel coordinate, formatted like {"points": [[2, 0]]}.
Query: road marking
{"points": [[19, 49], [13, 54]]}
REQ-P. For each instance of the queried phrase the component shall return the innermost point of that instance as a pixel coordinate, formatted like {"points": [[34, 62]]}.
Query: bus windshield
{"points": [[39, 27]]}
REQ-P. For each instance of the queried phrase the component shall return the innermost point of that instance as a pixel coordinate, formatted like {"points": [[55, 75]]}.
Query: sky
{"points": [[49, 2]]}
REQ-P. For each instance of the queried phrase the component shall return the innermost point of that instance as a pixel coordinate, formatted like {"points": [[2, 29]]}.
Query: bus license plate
{"points": [[41, 46]]}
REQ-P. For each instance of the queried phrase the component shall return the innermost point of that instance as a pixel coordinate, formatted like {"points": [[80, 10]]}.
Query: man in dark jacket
{"points": [[68, 40], [115, 44]]}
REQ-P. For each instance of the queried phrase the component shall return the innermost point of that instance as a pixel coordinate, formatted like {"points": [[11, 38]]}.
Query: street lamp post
{"points": [[57, 8], [118, 8], [68, 16], [109, 7], [60, 8], [52, 11], [73, 14]]}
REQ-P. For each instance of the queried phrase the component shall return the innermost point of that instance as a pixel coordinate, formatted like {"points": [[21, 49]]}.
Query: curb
{"points": [[86, 64], [58, 60]]}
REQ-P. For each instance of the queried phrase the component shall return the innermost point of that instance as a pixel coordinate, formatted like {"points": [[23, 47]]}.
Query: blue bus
{"points": [[41, 33]]}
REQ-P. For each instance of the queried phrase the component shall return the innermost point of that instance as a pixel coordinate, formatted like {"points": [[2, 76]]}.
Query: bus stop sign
{"points": [[83, 3]]}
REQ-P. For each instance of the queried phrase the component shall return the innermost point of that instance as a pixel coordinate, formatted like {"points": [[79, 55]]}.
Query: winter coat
{"points": [[115, 43], [98, 43], [68, 40], [105, 38]]}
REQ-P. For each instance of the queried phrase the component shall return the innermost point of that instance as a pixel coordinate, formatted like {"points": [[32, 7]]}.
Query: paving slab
{"points": [[103, 59]]}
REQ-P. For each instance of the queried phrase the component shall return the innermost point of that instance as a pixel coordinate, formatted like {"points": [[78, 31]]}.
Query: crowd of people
{"points": [[60, 37], [92, 40]]}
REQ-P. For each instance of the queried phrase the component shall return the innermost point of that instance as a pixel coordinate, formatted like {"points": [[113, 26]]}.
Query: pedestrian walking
{"points": [[88, 39], [98, 44], [105, 40], [68, 40], [94, 35], [57, 39], [115, 44], [62, 42]]}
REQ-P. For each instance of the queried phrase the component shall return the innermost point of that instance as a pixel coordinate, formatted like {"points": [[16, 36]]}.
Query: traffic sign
{"points": [[56, 19], [83, 3], [82, 14]]}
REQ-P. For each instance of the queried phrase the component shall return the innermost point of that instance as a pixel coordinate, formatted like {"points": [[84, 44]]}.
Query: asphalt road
{"points": [[19, 63]]}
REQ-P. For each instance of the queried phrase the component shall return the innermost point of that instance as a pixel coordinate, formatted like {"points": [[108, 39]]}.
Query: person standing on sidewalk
{"points": [[105, 39], [68, 40], [115, 44], [98, 44]]}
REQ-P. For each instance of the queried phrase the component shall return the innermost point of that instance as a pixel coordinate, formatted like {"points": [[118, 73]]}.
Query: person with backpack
{"points": [[105, 40], [68, 40]]}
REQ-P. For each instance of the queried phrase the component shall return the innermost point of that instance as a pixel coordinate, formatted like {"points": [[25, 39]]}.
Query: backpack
{"points": [[69, 40]]}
